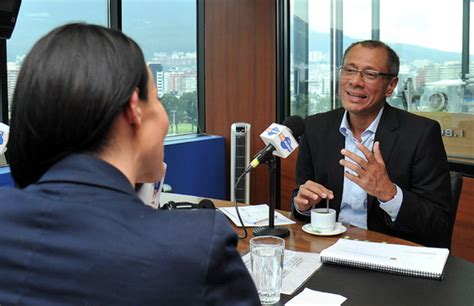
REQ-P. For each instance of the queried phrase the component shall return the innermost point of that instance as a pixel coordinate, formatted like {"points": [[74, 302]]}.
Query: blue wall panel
{"points": [[5, 177], [195, 166]]}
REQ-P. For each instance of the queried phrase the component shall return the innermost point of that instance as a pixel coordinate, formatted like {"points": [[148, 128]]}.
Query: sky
{"points": [[429, 23], [171, 24], [433, 24]]}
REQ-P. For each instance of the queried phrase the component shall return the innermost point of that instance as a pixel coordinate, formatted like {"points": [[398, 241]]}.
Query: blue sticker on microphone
{"points": [[273, 131], [286, 143]]}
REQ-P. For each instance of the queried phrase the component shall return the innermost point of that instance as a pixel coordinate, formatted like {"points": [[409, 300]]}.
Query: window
{"points": [[357, 21], [36, 18], [428, 37], [166, 32], [310, 61]]}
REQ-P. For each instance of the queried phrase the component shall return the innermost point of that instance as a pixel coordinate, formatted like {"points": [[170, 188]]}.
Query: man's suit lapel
{"points": [[336, 143], [387, 135]]}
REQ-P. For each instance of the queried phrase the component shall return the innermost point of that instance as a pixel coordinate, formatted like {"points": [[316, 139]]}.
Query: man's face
{"points": [[360, 96]]}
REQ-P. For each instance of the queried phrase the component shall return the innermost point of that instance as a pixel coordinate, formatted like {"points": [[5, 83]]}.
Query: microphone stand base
{"points": [[278, 231]]}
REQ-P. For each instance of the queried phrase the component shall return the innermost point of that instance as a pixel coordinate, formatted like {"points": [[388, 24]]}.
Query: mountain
{"points": [[157, 26], [320, 42], [163, 26]]}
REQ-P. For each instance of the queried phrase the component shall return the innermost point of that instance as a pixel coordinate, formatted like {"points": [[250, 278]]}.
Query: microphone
{"points": [[280, 140]]}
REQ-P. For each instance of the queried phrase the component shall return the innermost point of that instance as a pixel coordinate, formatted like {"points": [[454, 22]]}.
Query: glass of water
{"points": [[266, 258]]}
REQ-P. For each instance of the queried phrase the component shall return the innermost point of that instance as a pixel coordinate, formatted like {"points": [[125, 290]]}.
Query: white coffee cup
{"points": [[323, 220]]}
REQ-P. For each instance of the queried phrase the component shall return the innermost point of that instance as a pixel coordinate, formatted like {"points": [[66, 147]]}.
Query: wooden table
{"points": [[365, 287], [298, 239]]}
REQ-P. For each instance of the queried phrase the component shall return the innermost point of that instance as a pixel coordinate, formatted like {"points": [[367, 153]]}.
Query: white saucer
{"points": [[339, 229]]}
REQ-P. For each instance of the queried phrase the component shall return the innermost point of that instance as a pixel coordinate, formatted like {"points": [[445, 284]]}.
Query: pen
{"points": [[263, 220]]}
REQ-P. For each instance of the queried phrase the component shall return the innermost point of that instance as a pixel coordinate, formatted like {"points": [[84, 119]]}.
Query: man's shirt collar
{"points": [[345, 128]]}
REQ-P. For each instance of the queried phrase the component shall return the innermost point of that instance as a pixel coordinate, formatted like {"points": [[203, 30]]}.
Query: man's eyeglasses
{"points": [[368, 75]]}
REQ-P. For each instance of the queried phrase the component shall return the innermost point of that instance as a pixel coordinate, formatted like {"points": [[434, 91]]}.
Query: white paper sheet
{"points": [[297, 268], [254, 215], [309, 297]]}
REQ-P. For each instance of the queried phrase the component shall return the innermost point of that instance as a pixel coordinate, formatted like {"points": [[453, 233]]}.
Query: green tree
{"points": [[319, 104], [299, 105], [189, 102], [172, 107], [170, 102]]}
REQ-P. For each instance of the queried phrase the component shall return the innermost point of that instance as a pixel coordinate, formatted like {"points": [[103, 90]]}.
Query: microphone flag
{"points": [[4, 132]]}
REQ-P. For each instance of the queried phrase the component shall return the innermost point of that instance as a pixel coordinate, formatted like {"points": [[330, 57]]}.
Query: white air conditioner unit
{"points": [[239, 159]]}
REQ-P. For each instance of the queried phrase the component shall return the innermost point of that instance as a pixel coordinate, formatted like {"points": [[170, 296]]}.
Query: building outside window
{"points": [[38, 17], [166, 32], [164, 29], [310, 64], [429, 43]]}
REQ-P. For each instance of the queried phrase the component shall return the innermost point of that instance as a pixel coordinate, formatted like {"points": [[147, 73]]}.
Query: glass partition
{"points": [[428, 38], [427, 35], [310, 64]]}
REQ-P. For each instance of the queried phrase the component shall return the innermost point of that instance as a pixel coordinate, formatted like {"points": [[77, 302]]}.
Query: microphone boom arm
{"points": [[271, 230]]}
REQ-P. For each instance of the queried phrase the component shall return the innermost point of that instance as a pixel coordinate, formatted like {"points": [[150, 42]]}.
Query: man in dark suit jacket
{"points": [[382, 168], [86, 127]]}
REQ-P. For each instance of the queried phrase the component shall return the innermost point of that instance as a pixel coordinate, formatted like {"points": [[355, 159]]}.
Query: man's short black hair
{"points": [[393, 59]]}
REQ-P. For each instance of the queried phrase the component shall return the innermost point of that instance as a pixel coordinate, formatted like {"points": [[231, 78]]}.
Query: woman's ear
{"points": [[133, 111]]}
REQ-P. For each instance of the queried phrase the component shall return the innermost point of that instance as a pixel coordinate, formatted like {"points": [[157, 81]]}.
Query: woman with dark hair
{"points": [[86, 127]]}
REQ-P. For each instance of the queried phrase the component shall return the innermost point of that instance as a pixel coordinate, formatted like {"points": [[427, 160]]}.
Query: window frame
{"points": [[336, 51], [114, 18], [3, 81]]}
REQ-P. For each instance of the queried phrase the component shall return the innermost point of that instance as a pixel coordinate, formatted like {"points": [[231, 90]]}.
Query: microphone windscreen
{"points": [[295, 124]]}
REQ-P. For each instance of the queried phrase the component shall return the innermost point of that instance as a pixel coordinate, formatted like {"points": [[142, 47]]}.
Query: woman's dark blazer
{"points": [[80, 236]]}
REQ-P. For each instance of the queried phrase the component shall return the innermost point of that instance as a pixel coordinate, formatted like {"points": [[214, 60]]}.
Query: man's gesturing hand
{"points": [[370, 174]]}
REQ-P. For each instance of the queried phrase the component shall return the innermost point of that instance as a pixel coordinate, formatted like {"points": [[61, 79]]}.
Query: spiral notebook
{"points": [[417, 261]]}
